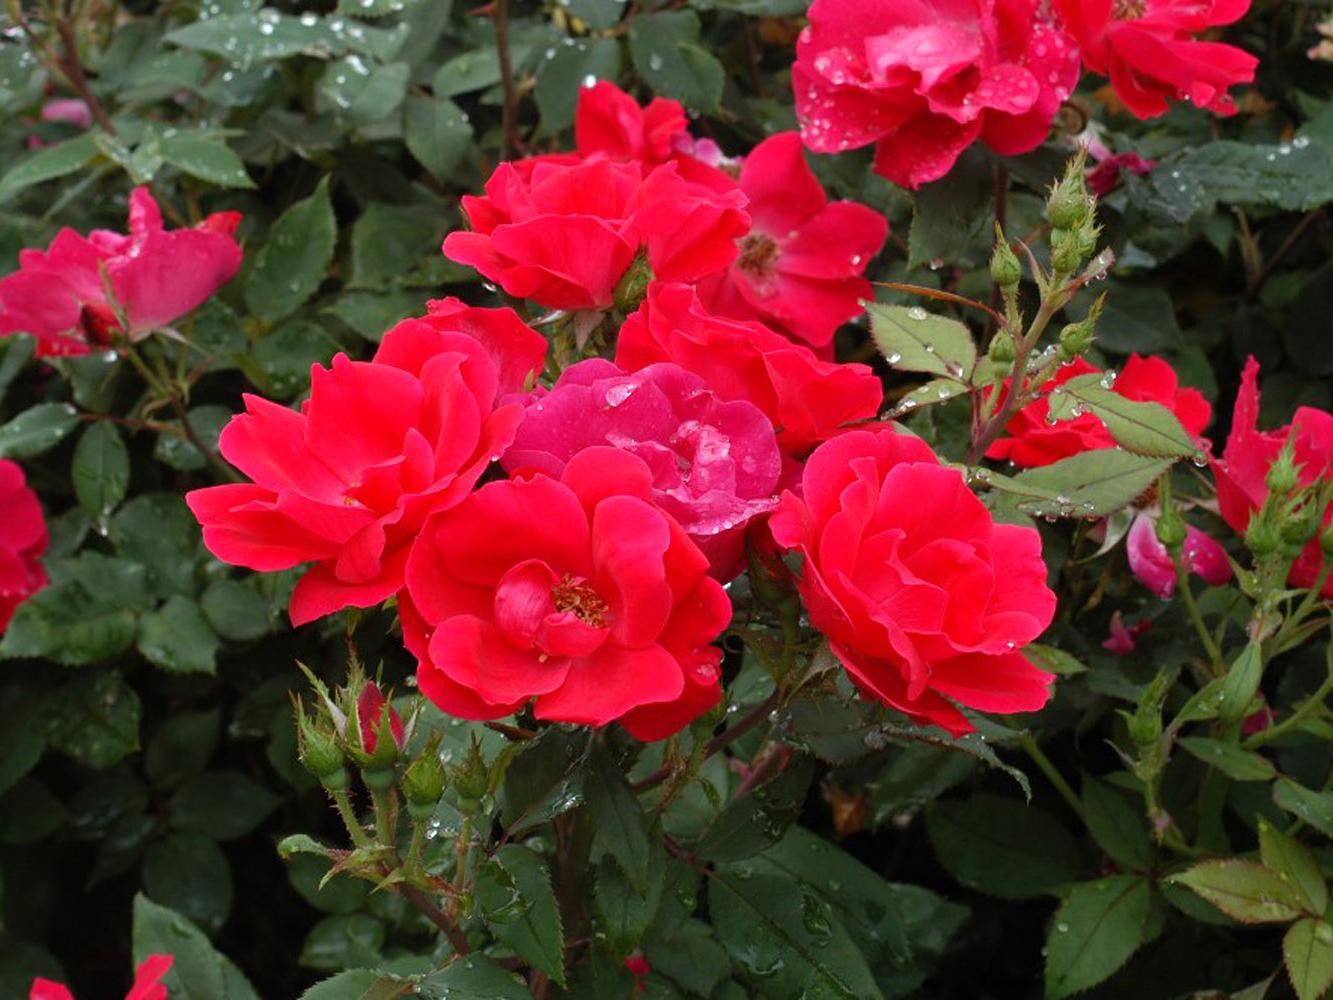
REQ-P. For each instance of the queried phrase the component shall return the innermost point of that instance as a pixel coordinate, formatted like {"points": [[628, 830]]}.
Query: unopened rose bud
{"points": [[633, 285], [1075, 339], [471, 779], [1298, 527], [1065, 253], [1261, 537], [1069, 204], [379, 729], [1171, 529], [1283, 476], [1005, 270], [424, 780], [1002, 348], [317, 747]]}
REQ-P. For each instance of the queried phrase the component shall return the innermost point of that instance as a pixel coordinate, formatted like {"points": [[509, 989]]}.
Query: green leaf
{"points": [[30, 813], [1231, 760], [753, 821], [952, 217], [475, 977], [912, 339], [1244, 890], [188, 873], [624, 913], [1054, 660], [597, 14], [280, 362], [235, 610], [292, 264], [1241, 684], [1307, 952], [374, 8], [467, 72], [1090, 484], [388, 240], [308, 876], [158, 531], [513, 892], [562, 77], [620, 828], [1295, 176], [177, 638], [1144, 428], [101, 469], [544, 779], [198, 972], [437, 133], [182, 747], [266, 35], [1315, 808], [37, 429], [95, 719], [1094, 932], [1002, 847], [207, 157], [665, 50], [221, 804], [784, 938], [1119, 829], [346, 941], [365, 95], [86, 613], [1292, 860], [353, 984], [691, 955], [937, 390], [25, 738], [49, 163]]}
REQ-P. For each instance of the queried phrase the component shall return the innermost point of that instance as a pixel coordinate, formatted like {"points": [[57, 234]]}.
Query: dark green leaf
{"points": [[760, 817], [101, 469], [30, 813], [49, 163], [158, 531], [1293, 861], [1315, 808], [207, 423], [437, 133], [666, 53], [1144, 428], [1307, 951], [343, 942], [177, 638], [181, 747], [388, 240], [1119, 828], [691, 955], [562, 77], [1002, 847], [291, 265], [207, 157], [280, 362], [37, 430], [477, 978], [221, 804], [1241, 684], [620, 828], [95, 719], [1090, 484], [86, 614], [365, 94], [624, 913], [190, 875], [234, 610], [197, 970], [1231, 760], [513, 892], [952, 217], [1094, 932]]}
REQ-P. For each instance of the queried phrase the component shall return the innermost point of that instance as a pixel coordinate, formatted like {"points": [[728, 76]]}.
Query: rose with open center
{"points": [[715, 464], [577, 592]]}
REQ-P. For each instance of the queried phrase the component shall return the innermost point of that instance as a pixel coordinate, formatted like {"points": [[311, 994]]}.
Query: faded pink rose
{"points": [[715, 464], [1151, 562]]}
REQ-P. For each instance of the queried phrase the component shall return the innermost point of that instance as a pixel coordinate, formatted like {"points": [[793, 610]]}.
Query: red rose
{"points": [[1241, 470], [927, 78], [575, 591], [610, 122], [347, 482], [1032, 441], [23, 539], [923, 597], [147, 984], [807, 400], [1148, 50], [715, 464], [800, 266], [60, 296], [562, 231], [1105, 176], [371, 708]]}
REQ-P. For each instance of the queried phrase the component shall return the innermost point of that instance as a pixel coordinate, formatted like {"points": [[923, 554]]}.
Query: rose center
{"points": [[758, 252], [1128, 10], [580, 600]]}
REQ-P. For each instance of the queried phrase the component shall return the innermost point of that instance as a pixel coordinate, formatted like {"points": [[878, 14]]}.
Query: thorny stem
{"points": [[386, 815], [438, 917], [1192, 608], [354, 828], [1029, 744], [72, 69], [747, 722], [509, 140]]}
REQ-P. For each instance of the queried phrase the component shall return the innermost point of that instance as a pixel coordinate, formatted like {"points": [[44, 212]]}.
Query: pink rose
{"points": [[1150, 561]]}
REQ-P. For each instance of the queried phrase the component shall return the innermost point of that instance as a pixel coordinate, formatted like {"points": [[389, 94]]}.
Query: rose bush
{"points": [[612, 532]]}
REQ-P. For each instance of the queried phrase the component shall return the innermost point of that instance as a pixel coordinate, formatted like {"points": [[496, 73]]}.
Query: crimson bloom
{"points": [[1032, 441], [1249, 452], [347, 482], [147, 985], [1148, 49], [715, 464], [1151, 562], [23, 539], [563, 231], [1105, 176], [927, 78], [575, 591], [74, 295], [800, 267], [807, 400], [371, 707], [924, 598], [610, 122]]}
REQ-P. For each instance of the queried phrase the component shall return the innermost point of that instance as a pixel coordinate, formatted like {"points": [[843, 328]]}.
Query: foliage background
{"points": [[148, 745]]}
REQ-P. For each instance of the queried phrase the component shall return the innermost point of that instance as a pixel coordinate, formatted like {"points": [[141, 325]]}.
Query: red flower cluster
{"points": [[84, 289], [23, 539], [589, 583], [147, 984], [1035, 440], [924, 79]]}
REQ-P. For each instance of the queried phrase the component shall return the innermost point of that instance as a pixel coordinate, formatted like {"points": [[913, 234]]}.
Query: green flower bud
{"points": [[471, 778], [633, 285], [1069, 204], [1002, 348], [1145, 722], [1326, 542], [1085, 238], [424, 780], [317, 747], [1261, 537], [1283, 476], [1298, 527], [1065, 255], [1005, 270], [1075, 339]]}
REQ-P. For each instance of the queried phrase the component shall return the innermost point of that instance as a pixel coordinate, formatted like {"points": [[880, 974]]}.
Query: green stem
{"points": [[354, 828], [386, 815], [417, 846], [1195, 615], [1315, 701], [1029, 744]]}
